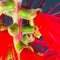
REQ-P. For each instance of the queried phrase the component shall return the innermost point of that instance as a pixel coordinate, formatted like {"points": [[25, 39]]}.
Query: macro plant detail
{"points": [[23, 29]]}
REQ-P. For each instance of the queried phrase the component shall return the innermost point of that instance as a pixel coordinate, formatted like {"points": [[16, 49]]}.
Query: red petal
{"points": [[58, 15], [5, 41], [27, 54], [49, 29]]}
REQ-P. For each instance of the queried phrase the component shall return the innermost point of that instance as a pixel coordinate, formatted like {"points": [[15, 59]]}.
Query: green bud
{"points": [[24, 38], [18, 45], [24, 13], [26, 29], [13, 29], [9, 5]]}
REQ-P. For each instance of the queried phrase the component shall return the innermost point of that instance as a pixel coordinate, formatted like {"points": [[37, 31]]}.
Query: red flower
{"points": [[50, 30]]}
